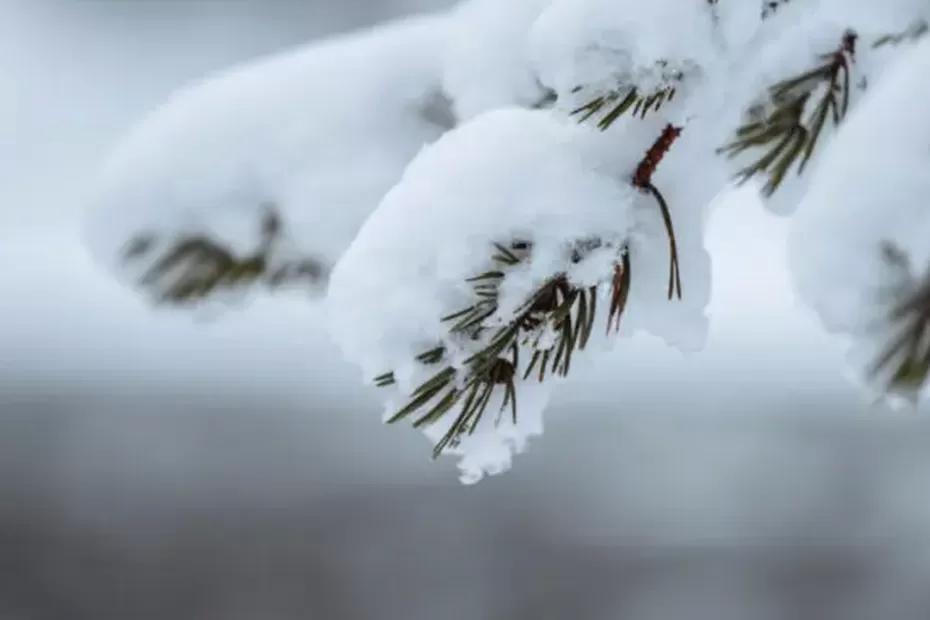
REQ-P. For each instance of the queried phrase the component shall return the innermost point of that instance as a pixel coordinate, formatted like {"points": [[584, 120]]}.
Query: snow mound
{"points": [[860, 236], [508, 175], [318, 134]]}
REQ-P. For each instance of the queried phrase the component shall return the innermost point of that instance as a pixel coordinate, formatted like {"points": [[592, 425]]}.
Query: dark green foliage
{"points": [[193, 268], [788, 134], [619, 292], [558, 306], [617, 103], [905, 361]]}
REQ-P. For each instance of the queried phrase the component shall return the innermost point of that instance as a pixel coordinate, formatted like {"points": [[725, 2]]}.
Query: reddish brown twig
{"points": [[642, 179]]}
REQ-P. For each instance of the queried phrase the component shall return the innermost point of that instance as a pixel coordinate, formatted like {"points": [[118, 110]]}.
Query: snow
{"points": [[870, 191], [682, 323], [319, 133], [794, 39], [325, 151], [486, 62], [508, 175], [602, 44]]}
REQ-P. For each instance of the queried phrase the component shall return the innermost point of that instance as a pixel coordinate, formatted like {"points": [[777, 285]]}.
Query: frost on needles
{"points": [[488, 198]]}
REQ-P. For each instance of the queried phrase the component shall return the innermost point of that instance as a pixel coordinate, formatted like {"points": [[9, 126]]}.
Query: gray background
{"points": [[159, 465]]}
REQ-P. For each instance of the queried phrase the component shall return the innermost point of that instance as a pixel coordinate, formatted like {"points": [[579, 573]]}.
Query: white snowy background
{"points": [[155, 465]]}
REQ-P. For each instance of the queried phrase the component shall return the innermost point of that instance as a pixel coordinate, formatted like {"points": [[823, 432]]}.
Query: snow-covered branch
{"points": [[484, 184]]}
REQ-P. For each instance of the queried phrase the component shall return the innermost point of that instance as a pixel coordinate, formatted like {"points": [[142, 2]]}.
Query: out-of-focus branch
{"points": [[904, 362], [190, 269]]}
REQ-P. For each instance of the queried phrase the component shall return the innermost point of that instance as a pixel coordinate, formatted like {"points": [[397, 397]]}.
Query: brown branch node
{"points": [[642, 180]]}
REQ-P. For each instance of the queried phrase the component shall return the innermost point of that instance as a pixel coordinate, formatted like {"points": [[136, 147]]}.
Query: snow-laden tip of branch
{"points": [[316, 135], [507, 176], [789, 90], [589, 50], [859, 249], [485, 63], [483, 270]]}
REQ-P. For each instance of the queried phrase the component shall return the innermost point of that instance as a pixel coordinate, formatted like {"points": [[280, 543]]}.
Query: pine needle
{"points": [[192, 268], [557, 307], [788, 136]]}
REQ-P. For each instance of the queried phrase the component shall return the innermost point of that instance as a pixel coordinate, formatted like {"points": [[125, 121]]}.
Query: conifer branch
{"points": [[904, 362], [618, 102], [787, 135], [555, 322], [193, 268]]}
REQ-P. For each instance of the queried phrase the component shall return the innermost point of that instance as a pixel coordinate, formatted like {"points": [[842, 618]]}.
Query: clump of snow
{"points": [[507, 175], [869, 194], [486, 60], [489, 451], [602, 44], [736, 24], [796, 38], [319, 134], [689, 177]]}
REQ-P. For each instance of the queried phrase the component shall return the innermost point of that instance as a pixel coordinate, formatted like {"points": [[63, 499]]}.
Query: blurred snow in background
{"points": [[155, 466]]}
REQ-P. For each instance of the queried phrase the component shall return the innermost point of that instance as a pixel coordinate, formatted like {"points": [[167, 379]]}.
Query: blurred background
{"points": [[159, 465]]}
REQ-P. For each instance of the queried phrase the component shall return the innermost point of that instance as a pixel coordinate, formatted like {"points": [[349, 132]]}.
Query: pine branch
{"points": [[904, 362], [552, 324], [618, 102], [193, 268], [788, 136], [557, 308]]}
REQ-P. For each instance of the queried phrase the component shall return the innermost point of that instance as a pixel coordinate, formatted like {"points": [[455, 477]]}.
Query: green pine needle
{"points": [[788, 136], [566, 311], [617, 103], [904, 363], [193, 268]]}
